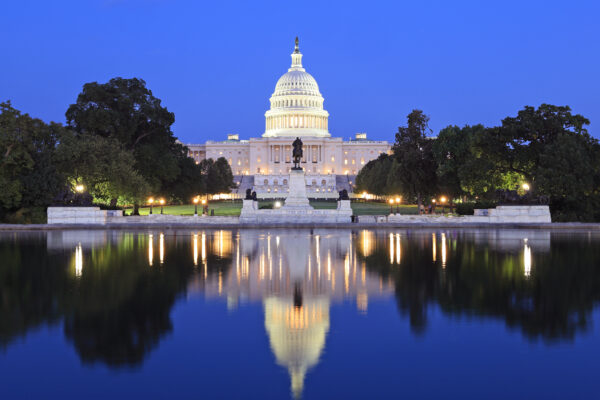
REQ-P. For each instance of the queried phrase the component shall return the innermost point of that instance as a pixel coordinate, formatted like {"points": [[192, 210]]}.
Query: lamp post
{"points": [[443, 200], [398, 200], [204, 208], [391, 201], [195, 206], [162, 203], [150, 201]]}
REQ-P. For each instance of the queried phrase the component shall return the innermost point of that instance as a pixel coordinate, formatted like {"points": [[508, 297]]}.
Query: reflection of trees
{"points": [[31, 286], [553, 302], [114, 313]]}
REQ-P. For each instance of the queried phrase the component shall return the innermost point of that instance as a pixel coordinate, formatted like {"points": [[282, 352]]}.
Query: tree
{"points": [[463, 169], [28, 177], [126, 111], [102, 166], [373, 177], [218, 177], [190, 182], [553, 152], [416, 169]]}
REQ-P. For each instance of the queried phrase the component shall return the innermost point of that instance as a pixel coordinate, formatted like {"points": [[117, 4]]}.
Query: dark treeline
{"points": [[117, 144], [116, 312], [548, 149], [479, 278]]}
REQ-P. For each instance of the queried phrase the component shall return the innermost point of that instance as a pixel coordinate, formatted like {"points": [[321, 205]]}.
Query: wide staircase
{"points": [[246, 182]]}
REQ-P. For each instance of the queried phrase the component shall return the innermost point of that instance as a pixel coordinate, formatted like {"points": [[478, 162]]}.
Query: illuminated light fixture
{"points": [[79, 188], [195, 206], [151, 201], [525, 186], [277, 204]]}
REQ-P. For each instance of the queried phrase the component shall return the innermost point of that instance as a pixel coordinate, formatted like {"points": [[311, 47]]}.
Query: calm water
{"points": [[300, 314]]}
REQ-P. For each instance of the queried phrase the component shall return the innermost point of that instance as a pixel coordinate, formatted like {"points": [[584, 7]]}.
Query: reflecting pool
{"points": [[312, 314]]}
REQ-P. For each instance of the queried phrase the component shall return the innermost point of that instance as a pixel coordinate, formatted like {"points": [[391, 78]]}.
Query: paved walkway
{"points": [[566, 226]]}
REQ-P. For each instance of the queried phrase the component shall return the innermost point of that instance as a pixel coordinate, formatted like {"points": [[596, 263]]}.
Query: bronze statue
{"points": [[343, 195], [297, 153]]}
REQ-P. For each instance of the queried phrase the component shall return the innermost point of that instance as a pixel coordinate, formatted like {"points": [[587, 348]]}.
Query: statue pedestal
{"points": [[296, 209], [297, 197]]}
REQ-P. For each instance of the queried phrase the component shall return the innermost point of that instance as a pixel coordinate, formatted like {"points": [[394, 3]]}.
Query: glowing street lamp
{"points": [[391, 201], [398, 200], [525, 186], [162, 203], [151, 201], [443, 199], [277, 204], [79, 188], [195, 206]]}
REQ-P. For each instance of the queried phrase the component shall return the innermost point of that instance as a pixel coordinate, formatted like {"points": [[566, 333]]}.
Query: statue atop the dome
{"points": [[297, 49], [297, 153]]}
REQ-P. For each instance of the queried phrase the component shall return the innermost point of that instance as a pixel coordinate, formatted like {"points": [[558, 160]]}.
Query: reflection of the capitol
{"points": [[297, 275]]}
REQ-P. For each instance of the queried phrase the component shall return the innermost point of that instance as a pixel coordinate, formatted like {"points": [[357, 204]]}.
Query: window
{"points": [[353, 161], [285, 181], [258, 159], [266, 182], [362, 161], [323, 182], [332, 159], [345, 161]]}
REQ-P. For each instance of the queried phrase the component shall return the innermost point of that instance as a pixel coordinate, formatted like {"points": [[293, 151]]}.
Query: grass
{"points": [[233, 208]]}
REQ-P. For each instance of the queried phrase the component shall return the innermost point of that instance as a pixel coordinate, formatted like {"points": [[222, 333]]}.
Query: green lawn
{"points": [[232, 208]]}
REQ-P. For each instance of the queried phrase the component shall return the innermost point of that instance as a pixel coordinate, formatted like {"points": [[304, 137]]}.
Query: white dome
{"points": [[295, 82], [296, 104]]}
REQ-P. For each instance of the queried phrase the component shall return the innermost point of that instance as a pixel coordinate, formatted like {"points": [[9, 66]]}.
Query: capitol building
{"points": [[263, 163]]}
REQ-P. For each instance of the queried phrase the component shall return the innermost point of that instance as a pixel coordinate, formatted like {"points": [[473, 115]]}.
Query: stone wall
{"points": [[288, 215], [499, 215], [76, 215]]}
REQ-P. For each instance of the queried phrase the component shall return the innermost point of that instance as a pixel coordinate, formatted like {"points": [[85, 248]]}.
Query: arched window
{"points": [[275, 182], [323, 182], [314, 182], [266, 182], [285, 181]]}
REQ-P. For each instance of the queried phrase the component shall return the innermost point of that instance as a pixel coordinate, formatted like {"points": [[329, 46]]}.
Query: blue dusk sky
{"points": [[215, 63]]}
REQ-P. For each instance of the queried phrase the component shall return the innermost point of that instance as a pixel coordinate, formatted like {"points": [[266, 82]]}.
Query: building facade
{"points": [[263, 164]]}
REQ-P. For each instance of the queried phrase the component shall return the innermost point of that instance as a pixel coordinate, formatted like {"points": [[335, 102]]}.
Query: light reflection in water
{"points": [[203, 247], [433, 246], [78, 260], [398, 251], [150, 249], [395, 249], [391, 248], [526, 259], [443, 250], [195, 249], [297, 296], [161, 248]]}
